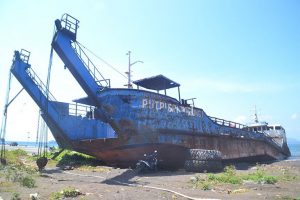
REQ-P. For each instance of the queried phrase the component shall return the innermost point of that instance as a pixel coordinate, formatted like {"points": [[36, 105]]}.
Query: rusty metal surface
{"points": [[113, 152]]}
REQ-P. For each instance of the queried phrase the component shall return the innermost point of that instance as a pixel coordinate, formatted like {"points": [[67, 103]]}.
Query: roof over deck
{"points": [[158, 82]]}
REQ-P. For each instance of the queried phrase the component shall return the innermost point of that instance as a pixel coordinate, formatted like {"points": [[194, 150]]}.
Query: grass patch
{"points": [[260, 176], [14, 175], [73, 158], [68, 192], [16, 171], [230, 176], [15, 196], [28, 182], [16, 157]]}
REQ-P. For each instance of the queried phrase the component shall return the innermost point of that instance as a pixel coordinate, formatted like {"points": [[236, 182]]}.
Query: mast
{"points": [[255, 115]]}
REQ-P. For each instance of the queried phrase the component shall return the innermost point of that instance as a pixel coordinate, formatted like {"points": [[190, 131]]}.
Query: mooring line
{"points": [[144, 186]]}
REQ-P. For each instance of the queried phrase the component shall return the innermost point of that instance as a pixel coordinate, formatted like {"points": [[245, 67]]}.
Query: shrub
{"points": [[206, 186], [56, 196], [28, 181], [65, 193], [260, 176], [230, 176], [70, 192], [74, 158], [15, 196]]}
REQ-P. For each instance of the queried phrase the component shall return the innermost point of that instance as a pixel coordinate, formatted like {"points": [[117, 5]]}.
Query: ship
{"points": [[119, 125]]}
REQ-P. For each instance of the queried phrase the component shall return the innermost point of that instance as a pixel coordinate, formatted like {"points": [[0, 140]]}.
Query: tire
{"points": [[41, 162], [141, 168], [202, 166], [203, 154]]}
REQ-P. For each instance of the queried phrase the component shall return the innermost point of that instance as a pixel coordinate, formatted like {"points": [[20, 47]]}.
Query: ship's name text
{"points": [[160, 105]]}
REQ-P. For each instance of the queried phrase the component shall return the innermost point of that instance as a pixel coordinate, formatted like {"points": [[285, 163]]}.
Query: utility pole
{"points": [[129, 85]]}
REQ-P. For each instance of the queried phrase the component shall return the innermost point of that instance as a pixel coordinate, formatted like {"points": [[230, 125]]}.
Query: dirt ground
{"points": [[113, 183]]}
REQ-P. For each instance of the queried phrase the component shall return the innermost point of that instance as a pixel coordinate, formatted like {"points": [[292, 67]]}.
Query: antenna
{"points": [[255, 115], [129, 85]]}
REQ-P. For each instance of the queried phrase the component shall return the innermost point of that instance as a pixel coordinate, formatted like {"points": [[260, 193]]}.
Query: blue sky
{"points": [[230, 55]]}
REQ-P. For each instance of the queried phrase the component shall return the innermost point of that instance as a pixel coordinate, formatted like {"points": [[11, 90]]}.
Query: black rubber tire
{"points": [[141, 168], [203, 166], [203, 154], [41, 162]]}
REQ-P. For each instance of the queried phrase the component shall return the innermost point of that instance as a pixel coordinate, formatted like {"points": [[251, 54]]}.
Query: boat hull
{"points": [[171, 155], [145, 121]]}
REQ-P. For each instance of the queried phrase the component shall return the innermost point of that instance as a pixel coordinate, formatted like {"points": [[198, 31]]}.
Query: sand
{"points": [[114, 183]]}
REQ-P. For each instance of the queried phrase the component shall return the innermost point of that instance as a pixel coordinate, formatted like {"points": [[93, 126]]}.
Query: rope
{"points": [[4, 119], [42, 133], [143, 186], [101, 59]]}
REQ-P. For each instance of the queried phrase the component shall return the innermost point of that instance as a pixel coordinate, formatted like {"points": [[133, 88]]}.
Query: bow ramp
{"points": [[60, 117], [71, 53]]}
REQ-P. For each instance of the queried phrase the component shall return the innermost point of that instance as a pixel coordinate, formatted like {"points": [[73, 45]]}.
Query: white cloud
{"points": [[294, 116]]}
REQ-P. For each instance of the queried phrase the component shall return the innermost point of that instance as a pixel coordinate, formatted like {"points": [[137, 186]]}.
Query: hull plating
{"points": [[146, 121]]}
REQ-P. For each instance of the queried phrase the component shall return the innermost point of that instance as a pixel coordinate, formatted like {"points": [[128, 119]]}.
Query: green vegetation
{"points": [[16, 157], [65, 193], [289, 198], [15, 196], [17, 170], [56, 196], [73, 158], [28, 181], [22, 176], [230, 176]]}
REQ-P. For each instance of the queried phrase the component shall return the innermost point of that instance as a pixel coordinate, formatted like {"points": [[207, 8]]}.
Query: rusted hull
{"points": [[173, 155]]}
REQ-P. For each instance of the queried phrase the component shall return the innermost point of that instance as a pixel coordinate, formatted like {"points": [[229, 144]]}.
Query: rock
{"points": [[193, 179], [67, 167], [34, 196]]}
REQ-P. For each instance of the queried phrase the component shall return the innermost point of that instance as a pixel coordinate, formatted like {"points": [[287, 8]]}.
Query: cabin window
{"points": [[278, 128], [270, 128]]}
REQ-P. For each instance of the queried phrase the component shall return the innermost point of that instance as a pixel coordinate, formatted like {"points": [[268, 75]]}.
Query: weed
{"points": [[260, 176], [15, 196], [290, 198], [230, 176], [65, 193], [56, 196], [28, 181], [206, 186], [288, 176], [74, 158], [70, 192], [14, 174]]}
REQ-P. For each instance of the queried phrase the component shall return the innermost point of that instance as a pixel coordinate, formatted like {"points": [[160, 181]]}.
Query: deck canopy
{"points": [[158, 82]]}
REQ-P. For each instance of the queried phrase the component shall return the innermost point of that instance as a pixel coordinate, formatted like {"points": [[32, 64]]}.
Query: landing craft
{"points": [[119, 125]]}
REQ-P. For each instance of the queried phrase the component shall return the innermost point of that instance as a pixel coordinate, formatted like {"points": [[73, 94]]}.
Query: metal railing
{"points": [[227, 123], [70, 23], [90, 66], [40, 84], [24, 55], [76, 109]]}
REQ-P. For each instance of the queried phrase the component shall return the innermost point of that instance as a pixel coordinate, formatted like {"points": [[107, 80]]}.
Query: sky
{"points": [[231, 55]]}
